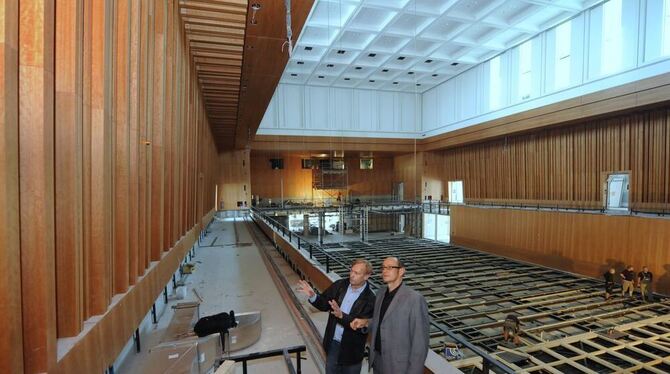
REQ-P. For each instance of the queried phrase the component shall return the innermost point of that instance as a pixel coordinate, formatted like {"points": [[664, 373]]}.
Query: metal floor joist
{"points": [[470, 292]]}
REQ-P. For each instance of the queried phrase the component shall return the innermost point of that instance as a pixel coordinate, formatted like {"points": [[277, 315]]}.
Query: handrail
{"points": [[487, 361], [288, 234], [272, 353]]}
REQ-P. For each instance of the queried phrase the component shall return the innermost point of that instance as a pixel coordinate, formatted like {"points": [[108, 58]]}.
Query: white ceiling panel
{"points": [[413, 45]]}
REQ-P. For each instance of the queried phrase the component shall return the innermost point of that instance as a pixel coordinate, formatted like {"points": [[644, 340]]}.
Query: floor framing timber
{"points": [[470, 292]]}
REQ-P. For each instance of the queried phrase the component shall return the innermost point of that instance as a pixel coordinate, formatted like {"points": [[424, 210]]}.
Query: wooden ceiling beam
{"points": [[214, 7], [208, 46], [211, 22], [216, 39], [214, 30], [216, 61], [228, 56], [216, 16]]}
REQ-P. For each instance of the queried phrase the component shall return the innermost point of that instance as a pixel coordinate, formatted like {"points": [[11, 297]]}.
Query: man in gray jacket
{"points": [[400, 325]]}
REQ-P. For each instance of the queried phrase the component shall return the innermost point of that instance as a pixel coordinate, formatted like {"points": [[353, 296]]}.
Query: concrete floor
{"points": [[234, 277]]}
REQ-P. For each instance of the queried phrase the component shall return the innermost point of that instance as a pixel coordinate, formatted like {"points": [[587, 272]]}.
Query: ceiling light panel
{"points": [[331, 14], [387, 43], [431, 6], [314, 54], [395, 4], [319, 35], [355, 39], [341, 56], [444, 28], [408, 24], [372, 19], [374, 59], [420, 47], [301, 66]]}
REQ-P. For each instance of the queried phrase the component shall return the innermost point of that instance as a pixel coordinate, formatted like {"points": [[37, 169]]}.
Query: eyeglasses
{"points": [[390, 267]]}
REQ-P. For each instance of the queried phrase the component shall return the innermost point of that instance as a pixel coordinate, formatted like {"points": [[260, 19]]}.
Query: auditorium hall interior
{"points": [[172, 170]]}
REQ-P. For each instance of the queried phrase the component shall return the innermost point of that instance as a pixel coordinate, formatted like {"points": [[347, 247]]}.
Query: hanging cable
{"points": [[289, 31]]}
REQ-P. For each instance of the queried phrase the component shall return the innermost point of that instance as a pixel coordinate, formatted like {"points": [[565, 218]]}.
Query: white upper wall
{"points": [[329, 111], [614, 43]]}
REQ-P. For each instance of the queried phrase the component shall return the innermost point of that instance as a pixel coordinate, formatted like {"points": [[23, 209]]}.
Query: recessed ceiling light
{"points": [[454, 63], [347, 79], [418, 84], [395, 82], [300, 63], [329, 65], [372, 81], [372, 54], [320, 76], [308, 48], [429, 61], [358, 68], [435, 75], [401, 58], [294, 75], [341, 51], [385, 70], [410, 72]]}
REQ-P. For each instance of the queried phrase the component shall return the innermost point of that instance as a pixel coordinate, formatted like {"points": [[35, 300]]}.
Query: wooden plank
{"points": [[134, 118], [36, 160], [98, 204], [122, 148], [11, 341], [156, 216], [68, 174]]}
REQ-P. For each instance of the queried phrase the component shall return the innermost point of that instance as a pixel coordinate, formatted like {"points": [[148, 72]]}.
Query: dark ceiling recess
{"points": [[215, 34]]}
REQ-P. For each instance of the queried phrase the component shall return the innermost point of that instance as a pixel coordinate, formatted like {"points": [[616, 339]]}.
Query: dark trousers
{"points": [[332, 367]]}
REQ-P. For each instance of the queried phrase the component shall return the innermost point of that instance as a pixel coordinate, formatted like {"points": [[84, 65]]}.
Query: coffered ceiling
{"points": [[413, 45]]}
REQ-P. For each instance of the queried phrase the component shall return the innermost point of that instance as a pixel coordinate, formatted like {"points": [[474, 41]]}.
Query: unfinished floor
{"points": [[470, 292], [230, 274]]}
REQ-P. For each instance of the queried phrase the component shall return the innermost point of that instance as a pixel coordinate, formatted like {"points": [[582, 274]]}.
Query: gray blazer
{"points": [[404, 332]]}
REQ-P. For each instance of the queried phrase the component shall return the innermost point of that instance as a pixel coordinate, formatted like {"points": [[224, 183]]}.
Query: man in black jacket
{"points": [[346, 299]]}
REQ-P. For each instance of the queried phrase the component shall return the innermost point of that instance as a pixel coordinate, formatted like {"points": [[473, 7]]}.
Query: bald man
{"points": [[400, 325]]}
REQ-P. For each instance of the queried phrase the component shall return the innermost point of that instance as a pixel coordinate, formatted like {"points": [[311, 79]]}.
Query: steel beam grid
{"points": [[470, 292]]}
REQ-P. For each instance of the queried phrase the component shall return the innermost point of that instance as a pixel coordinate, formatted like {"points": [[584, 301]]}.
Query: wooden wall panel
{"points": [[98, 158], [11, 340], [68, 156], [133, 124], [297, 182], [587, 244], [83, 173], [36, 160], [234, 179], [408, 169], [158, 131], [567, 166], [121, 148]]}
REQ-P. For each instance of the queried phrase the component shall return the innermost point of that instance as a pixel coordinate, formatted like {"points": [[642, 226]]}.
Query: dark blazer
{"points": [[405, 332], [352, 345]]}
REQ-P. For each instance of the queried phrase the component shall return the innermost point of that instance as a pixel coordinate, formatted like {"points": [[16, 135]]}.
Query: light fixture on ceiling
{"points": [[255, 7]]}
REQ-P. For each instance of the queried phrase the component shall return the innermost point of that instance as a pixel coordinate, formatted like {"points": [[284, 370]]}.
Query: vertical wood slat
{"points": [[36, 150], [157, 211], [168, 106], [134, 139], [11, 340], [565, 166], [68, 174], [60, 187], [98, 165], [121, 148]]}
